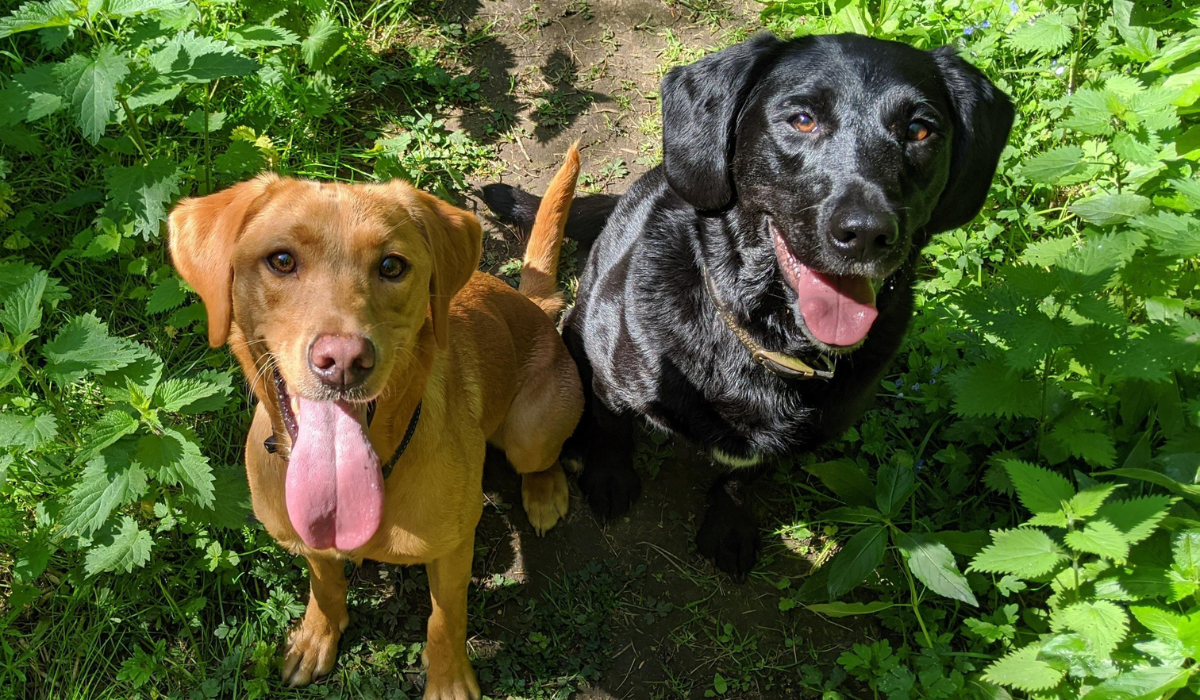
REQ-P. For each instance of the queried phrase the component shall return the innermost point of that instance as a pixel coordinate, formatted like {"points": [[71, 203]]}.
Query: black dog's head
{"points": [[845, 152]]}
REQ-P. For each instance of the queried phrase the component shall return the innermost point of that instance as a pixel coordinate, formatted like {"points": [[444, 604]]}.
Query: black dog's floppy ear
{"points": [[700, 105], [983, 116]]}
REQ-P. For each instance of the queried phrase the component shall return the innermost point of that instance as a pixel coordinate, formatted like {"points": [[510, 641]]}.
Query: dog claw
{"points": [[309, 655], [546, 498]]}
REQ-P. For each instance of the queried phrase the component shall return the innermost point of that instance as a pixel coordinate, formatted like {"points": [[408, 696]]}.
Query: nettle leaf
{"points": [[112, 426], [230, 503], [175, 459], [1103, 623], [1047, 33], [27, 433], [1053, 165], [896, 484], [166, 296], [1090, 112], [32, 16], [132, 8], [259, 36], [143, 190], [1041, 491], [862, 554], [123, 550], [107, 482], [1190, 189], [1083, 435], [1185, 548], [1101, 538], [1165, 624], [22, 313], [992, 389], [83, 345], [30, 96], [1024, 552], [1088, 501], [1147, 683], [176, 395], [192, 58], [90, 84], [1110, 209], [1143, 151], [324, 41], [1023, 670], [1171, 234], [933, 565], [195, 122]]}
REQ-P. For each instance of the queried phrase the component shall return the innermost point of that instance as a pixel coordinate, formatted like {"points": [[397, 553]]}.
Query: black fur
{"points": [[647, 338]]}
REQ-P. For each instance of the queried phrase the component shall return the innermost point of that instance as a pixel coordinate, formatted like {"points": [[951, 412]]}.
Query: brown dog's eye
{"points": [[282, 262], [392, 267], [804, 122], [918, 131]]}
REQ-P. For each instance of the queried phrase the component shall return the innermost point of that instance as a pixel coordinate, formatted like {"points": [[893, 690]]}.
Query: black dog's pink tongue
{"points": [[837, 309], [334, 484]]}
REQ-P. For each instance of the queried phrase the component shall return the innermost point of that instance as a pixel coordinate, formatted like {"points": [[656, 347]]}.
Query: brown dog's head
{"points": [[326, 291]]}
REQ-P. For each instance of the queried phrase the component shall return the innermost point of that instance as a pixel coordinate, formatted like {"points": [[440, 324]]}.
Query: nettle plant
{"points": [[95, 409]]}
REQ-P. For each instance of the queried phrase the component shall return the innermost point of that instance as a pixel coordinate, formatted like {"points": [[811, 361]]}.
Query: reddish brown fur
{"points": [[539, 274], [486, 364]]}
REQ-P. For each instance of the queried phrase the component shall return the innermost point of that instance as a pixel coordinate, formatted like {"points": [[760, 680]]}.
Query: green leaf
{"points": [[175, 459], [192, 58], [175, 395], [112, 426], [166, 296], [1053, 165], [1163, 623], [1142, 151], [1085, 436], [107, 483], [1087, 502], [1103, 623], [90, 85], [1136, 518], [84, 345], [1110, 209], [966, 544], [1048, 33], [258, 36], [845, 479], [992, 389], [195, 122], [324, 41], [32, 16], [143, 190], [1041, 491], [230, 504], [1141, 684], [1154, 478], [1185, 547], [1024, 552], [849, 609], [861, 555], [896, 484], [1023, 670], [27, 433], [30, 96], [132, 8], [1090, 113], [123, 550], [22, 312], [720, 684], [1101, 538], [933, 565]]}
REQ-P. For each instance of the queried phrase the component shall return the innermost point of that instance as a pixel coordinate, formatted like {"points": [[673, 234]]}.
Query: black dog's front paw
{"points": [[729, 536], [611, 489]]}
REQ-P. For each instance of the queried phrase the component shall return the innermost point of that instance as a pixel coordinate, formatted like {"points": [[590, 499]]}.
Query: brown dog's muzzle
{"points": [[342, 362]]}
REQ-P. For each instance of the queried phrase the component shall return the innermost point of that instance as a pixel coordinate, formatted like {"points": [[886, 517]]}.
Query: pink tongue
{"points": [[334, 485], [838, 310]]}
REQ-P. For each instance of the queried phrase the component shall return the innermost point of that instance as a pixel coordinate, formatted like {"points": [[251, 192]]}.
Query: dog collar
{"points": [[272, 445], [777, 363]]}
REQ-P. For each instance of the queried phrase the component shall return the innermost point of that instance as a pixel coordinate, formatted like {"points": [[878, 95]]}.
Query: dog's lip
{"points": [[876, 280], [289, 403]]}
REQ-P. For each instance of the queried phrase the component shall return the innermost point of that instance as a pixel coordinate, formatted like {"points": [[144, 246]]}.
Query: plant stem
{"points": [[916, 606], [134, 131]]}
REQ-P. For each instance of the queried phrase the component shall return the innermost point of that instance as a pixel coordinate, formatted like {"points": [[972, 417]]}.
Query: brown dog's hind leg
{"points": [[449, 675], [312, 646]]}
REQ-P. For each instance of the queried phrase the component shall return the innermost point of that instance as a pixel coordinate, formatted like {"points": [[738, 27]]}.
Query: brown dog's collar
{"points": [[777, 363], [272, 445]]}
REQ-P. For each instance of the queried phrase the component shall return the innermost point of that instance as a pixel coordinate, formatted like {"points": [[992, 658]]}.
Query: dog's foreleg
{"points": [[730, 535], [449, 675], [312, 647]]}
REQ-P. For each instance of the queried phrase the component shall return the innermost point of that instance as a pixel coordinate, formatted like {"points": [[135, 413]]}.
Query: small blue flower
{"points": [[1013, 7], [986, 23], [1054, 62], [899, 383], [916, 387], [937, 368], [920, 465], [932, 381], [969, 31]]}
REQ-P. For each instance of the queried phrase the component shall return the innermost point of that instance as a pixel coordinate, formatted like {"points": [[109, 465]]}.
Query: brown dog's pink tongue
{"points": [[838, 310], [334, 485]]}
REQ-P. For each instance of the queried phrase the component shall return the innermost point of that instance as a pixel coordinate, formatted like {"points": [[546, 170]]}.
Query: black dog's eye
{"points": [[804, 122], [282, 262], [918, 131], [392, 267]]}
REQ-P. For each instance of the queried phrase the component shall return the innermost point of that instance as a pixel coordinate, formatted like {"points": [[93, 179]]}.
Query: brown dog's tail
{"points": [[539, 275]]}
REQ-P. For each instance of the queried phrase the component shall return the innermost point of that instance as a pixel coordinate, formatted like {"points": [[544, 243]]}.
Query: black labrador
{"points": [[749, 293]]}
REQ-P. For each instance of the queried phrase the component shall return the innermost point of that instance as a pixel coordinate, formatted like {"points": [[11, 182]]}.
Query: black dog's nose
{"points": [[861, 234], [341, 361]]}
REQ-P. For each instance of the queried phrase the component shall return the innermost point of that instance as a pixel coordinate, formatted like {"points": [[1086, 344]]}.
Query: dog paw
{"points": [[730, 538], [451, 681], [546, 497], [610, 490], [309, 655]]}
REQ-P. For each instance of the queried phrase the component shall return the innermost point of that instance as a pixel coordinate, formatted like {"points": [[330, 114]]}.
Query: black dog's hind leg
{"points": [[604, 443], [730, 535]]}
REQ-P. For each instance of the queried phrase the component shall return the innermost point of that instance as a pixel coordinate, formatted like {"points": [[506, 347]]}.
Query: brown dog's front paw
{"points": [[546, 497], [309, 655], [454, 680]]}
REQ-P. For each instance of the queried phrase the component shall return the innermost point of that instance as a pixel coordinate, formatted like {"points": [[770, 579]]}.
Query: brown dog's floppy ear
{"points": [[983, 116], [700, 106], [202, 233], [456, 242]]}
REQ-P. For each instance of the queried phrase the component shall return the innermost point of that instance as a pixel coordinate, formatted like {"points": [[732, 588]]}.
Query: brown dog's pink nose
{"points": [[342, 361]]}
